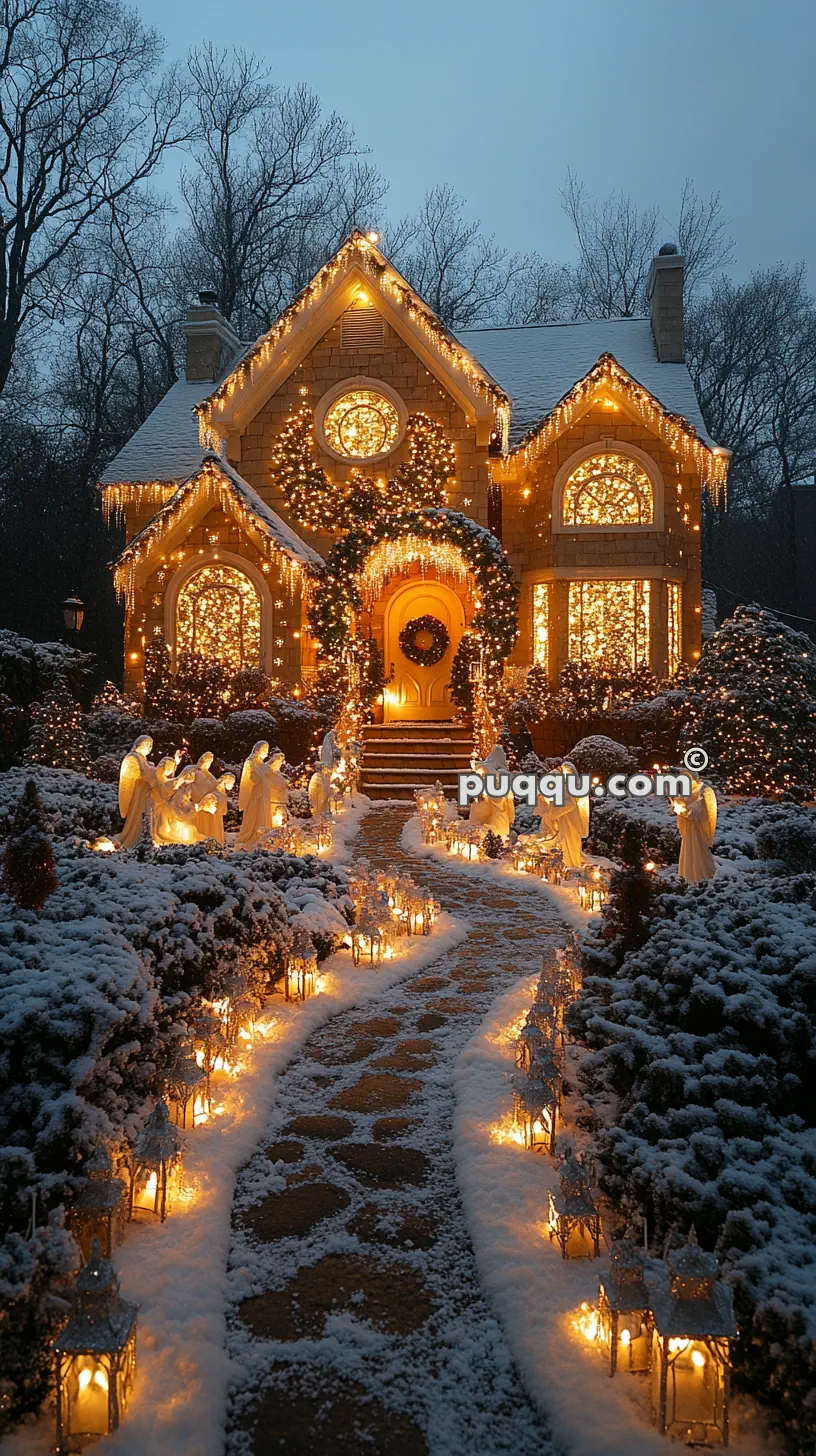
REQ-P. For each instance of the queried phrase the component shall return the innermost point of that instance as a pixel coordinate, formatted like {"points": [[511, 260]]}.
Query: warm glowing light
{"points": [[218, 615], [608, 490], [373, 236], [698, 1359], [541, 624], [675, 625], [361, 424], [392, 558], [103, 845], [609, 623], [585, 1322]]}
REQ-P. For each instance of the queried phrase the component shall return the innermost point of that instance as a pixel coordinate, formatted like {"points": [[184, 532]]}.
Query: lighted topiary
{"points": [[56, 735], [29, 876], [752, 706]]}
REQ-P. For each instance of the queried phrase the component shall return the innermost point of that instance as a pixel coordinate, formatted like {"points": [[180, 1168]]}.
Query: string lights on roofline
{"points": [[358, 249], [710, 462]]}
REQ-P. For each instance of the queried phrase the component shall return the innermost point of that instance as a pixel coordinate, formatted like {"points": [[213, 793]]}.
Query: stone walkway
{"points": [[372, 1334]]}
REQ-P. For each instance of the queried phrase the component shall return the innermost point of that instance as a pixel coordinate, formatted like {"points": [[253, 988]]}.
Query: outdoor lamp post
{"points": [[156, 1165], [73, 613], [95, 1358], [624, 1321], [691, 1348], [574, 1221], [98, 1216]]}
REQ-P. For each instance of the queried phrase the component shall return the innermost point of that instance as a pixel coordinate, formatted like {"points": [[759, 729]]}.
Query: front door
{"points": [[416, 692]]}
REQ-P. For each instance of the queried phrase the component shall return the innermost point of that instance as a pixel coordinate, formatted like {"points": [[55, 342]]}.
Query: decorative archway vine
{"points": [[447, 540]]}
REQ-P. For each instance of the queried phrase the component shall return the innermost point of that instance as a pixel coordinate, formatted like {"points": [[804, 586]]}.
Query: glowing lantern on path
{"points": [[574, 1222], [535, 1111], [301, 967], [370, 941], [95, 1358], [529, 1039], [624, 1323], [156, 1166], [98, 1215], [187, 1091], [691, 1348]]}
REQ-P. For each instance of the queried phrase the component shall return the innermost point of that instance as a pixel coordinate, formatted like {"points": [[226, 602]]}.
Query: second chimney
{"points": [[211, 339], [665, 292]]}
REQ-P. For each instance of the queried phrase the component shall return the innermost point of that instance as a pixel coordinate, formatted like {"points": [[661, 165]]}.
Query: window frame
{"points": [[188, 568], [607, 446], [348, 386]]}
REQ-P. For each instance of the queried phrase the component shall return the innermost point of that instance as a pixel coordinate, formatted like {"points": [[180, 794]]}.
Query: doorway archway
{"points": [[414, 693]]}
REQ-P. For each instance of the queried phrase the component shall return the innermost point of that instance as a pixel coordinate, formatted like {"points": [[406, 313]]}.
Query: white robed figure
{"points": [[496, 815], [565, 825], [320, 790], [263, 790], [221, 793], [204, 783], [174, 814], [137, 780], [330, 750], [697, 821]]}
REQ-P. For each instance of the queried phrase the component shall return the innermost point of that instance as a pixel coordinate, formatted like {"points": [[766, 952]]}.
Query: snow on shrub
{"points": [[94, 993], [701, 1078], [602, 756], [243, 730], [73, 804], [30, 670]]}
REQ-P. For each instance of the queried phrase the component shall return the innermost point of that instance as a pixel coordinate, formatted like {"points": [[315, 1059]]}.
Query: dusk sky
{"points": [[500, 99]]}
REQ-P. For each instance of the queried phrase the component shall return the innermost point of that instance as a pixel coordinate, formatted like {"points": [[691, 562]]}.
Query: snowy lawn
{"points": [[564, 899], [535, 1292], [177, 1271]]}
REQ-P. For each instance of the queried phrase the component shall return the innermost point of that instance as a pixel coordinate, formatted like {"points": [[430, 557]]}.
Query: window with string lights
{"points": [[360, 421], [608, 489], [609, 624], [218, 616]]}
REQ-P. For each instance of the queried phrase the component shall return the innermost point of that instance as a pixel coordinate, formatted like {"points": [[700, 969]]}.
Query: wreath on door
{"points": [[425, 640]]}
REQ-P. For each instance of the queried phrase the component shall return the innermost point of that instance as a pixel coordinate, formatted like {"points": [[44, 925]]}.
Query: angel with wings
{"points": [[320, 790], [566, 824], [262, 792], [174, 812], [491, 813], [137, 780], [697, 821]]}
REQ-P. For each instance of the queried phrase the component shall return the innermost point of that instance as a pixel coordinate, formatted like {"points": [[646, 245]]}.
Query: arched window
{"points": [[218, 615], [608, 489]]}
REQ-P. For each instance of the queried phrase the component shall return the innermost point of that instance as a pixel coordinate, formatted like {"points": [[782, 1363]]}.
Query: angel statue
{"points": [[696, 821], [494, 814], [174, 812], [165, 782], [566, 824], [221, 792], [137, 779], [262, 795], [329, 750], [320, 790], [205, 783]]}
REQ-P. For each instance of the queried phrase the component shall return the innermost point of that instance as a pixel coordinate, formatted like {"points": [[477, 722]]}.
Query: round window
{"points": [[361, 425]]}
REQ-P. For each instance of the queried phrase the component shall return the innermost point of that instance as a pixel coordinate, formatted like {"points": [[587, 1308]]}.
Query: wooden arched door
{"points": [[416, 693]]}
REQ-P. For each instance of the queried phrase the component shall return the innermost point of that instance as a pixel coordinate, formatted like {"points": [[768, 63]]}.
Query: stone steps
{"points": [[401, 757]]}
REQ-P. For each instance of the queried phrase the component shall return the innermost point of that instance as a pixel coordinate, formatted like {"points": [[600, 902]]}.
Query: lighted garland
{"points": [[336, 597], [323, 504], [424, 656]]}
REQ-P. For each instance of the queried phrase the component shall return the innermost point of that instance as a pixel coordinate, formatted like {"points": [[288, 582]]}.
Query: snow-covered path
{"points": [[358, 1323]]}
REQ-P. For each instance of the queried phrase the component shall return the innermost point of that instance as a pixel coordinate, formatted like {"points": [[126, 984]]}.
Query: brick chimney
{"points": [[211, 340], [665, 292]]}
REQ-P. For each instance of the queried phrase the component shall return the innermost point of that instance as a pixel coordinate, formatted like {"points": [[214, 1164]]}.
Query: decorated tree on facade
{"points": [[56, 735], [29, 875], [461, 681], [752, 706]]}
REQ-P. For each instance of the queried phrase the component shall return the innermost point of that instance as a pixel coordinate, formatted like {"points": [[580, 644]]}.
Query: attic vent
{"points": [[362, 328]]}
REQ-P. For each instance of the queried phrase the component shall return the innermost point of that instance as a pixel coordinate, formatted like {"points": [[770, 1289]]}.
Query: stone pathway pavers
{"points": [[366, 1330]]}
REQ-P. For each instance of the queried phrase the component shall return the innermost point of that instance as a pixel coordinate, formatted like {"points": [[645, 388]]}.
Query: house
{"points": [[359, 419]]}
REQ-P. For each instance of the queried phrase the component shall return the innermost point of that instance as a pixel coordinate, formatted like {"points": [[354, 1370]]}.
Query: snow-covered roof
{"points": [[166, 445], [218, 481], [539, 363]]}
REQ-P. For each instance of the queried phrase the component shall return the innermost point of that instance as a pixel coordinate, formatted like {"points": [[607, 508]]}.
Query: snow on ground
{"points": [[533, 1290], [177, 1271], [345, 825], [564, 899]]}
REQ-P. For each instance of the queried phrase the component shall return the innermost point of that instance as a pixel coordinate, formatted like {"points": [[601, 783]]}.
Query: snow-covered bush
{"points": [[243, 730], [700, 1080], [315, 893], [30, 670], [602, 756], [73, 804], [790, 835], [109, 730], [93, 994]]}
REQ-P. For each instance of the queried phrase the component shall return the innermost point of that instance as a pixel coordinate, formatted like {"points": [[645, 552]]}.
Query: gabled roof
{"points": [[539, 363], [277, 352], [214, 481], [166, 447]]}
